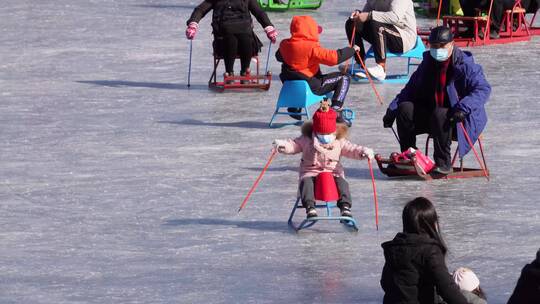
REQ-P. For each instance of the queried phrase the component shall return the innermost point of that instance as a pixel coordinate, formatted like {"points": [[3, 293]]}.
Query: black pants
{"points": [[307, 192], [497, 13], [413, 120], [469, 7], [240, 44], [530, 6], [382, 37], [336, 82]]}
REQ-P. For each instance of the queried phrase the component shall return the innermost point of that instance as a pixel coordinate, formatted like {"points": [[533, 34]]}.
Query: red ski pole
{"points": [[488, 21], [374, 194], [474, 150], [274, 152], [439, 12]]}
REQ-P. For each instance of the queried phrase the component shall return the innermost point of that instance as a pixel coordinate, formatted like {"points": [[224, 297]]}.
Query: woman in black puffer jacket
{"points": [[415, 270], [233, 30]]}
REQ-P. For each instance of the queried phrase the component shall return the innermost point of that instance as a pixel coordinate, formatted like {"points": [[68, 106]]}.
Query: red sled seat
{"points": [[514, 24], [250, 81]]}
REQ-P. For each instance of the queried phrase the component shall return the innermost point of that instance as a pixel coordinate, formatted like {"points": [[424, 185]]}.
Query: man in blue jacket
{"points": [[447, 88]]}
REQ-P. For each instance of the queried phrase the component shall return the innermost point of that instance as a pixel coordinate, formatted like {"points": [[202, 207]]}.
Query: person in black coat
{"points": [[415, 269], [530, 6], [527, 290], [232, 27]]}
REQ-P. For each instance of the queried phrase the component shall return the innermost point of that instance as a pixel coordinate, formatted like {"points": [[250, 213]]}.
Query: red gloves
{"points": [[271, 33], [192, 30]]}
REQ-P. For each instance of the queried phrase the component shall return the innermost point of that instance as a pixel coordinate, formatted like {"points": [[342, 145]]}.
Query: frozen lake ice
{"points": [[120, 185]]}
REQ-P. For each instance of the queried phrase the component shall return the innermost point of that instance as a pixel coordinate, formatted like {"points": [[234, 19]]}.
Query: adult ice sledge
{"points": [[232, 27]]}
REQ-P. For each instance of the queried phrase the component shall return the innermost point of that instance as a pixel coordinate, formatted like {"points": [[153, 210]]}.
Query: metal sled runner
{"points": [[325, 191], [411, 167], [308, 222]]}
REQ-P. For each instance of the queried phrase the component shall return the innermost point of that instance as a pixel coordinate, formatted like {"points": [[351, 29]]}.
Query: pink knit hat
{"points": [[466, 279]]}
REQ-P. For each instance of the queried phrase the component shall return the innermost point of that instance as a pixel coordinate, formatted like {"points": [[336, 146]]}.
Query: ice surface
{"points": [[120, 185]]}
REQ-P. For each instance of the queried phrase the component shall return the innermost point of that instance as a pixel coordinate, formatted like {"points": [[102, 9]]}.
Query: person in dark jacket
{"points": [[447, 88], [530, 6], [301, 56], [232, 27], [415, 269], [527, 290]]}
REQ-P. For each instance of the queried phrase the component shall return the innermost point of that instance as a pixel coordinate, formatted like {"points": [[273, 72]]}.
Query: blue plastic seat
{"points": [[415, 53], [296, 94]]}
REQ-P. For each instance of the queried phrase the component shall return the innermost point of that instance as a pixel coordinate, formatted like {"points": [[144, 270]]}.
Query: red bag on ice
{"points": [[424, 163]]}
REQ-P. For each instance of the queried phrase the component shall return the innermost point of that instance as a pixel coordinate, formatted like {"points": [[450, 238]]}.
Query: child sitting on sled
{"points": [[323, 143], [301, 55]]}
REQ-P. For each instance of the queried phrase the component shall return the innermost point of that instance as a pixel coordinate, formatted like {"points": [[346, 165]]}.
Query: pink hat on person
{"points": [[466, 279]]}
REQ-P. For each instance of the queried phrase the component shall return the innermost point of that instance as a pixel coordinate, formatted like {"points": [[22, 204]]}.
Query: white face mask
{"points": [[326, 138], [439, 54]]}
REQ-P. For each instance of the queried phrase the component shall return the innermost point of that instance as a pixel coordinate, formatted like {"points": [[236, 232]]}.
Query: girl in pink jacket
{"points": [[322, 144]]}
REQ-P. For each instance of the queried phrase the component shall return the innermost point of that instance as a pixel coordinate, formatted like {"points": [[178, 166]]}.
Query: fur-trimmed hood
{"points": [[342, 131]]}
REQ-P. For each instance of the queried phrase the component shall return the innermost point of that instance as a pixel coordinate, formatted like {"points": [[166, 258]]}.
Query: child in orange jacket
{"points": [[301, 55]]}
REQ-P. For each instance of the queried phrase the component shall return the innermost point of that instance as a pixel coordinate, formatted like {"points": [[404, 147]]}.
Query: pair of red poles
{"points": [[274, 151], [273, 154]]}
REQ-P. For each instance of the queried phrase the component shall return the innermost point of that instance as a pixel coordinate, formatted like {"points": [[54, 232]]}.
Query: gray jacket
{"points": [[472, 298], [399, 13]]}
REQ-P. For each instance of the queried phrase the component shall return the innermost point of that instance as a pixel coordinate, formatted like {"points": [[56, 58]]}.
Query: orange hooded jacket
{"points": [[303, 52]]}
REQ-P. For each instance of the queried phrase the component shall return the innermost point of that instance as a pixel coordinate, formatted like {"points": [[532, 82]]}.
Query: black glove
{"points": [[388, 119], [458, 116]]}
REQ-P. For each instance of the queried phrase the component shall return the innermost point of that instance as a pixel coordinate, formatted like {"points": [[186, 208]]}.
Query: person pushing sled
{"points": [[322, 144]]}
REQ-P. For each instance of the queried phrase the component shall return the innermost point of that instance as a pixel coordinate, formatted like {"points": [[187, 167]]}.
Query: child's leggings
{"points": [[333, 82]]}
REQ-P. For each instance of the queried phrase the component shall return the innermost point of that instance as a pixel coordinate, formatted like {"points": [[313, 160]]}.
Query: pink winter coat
{"points": [[317, 157]]}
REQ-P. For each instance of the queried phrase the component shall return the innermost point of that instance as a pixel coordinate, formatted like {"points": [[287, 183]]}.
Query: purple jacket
{"points": [[467, 88]]}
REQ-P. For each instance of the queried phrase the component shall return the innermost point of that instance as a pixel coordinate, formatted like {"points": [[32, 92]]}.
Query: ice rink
{"points": [[118, 184]]}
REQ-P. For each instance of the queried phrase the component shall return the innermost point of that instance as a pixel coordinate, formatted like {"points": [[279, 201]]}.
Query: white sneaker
{"points": [[377, 72]]}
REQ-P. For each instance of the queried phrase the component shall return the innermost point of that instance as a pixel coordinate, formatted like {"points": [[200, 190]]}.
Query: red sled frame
{"points": [[256, 81], [481, 25], [410, 168]]}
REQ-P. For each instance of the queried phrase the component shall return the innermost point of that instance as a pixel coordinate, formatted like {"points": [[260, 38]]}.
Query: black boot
{"points": [[295, 110], [346, 211], [337, 105], [228, 74], [311, 212], [443, 170], [245, 73]]}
